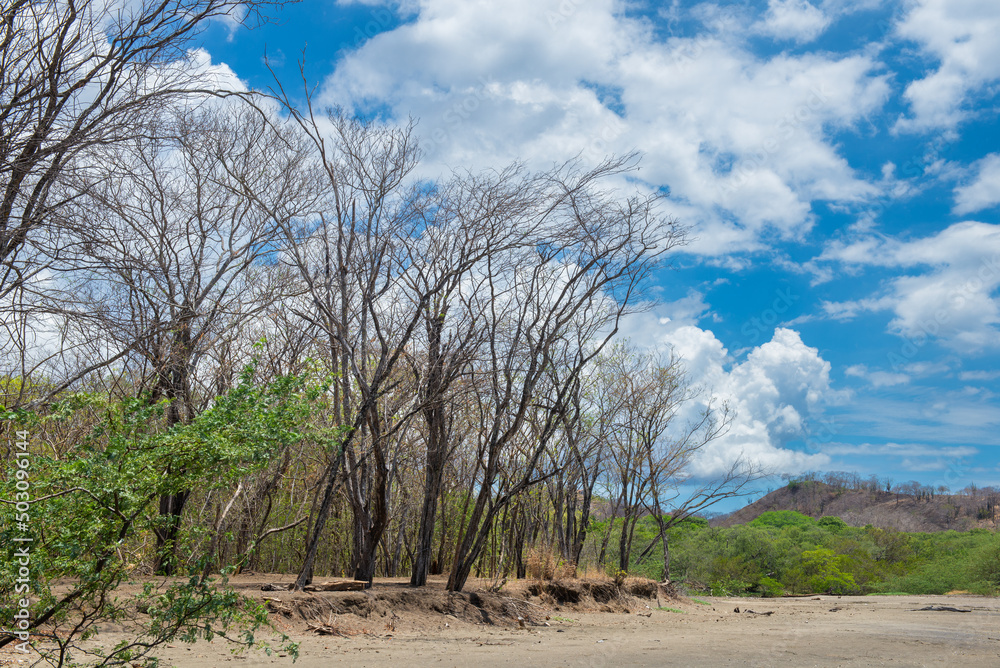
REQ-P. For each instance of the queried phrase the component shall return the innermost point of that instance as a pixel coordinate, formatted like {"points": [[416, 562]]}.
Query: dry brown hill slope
{"points": [[923, 511]]}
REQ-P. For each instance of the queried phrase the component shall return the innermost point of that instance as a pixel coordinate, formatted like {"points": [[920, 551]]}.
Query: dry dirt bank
{"points": [[401, 627]]}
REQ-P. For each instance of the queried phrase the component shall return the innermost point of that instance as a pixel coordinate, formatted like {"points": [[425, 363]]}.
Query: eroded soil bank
{"points": [[576, 623]]}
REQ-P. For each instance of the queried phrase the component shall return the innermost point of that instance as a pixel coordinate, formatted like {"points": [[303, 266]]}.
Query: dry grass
{"points": [[593, 572], [545, 564]]}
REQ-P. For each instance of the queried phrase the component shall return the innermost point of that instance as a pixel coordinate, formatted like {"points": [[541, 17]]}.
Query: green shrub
{"points": [[822, 570], [832, 524], [728, 587], [783, 518], [985, 567], [770, 588], [891, 546], [734, 573], [99, 500]]}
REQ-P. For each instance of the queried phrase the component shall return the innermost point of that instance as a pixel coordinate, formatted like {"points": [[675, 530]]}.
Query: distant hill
{"points": [[921, 510]]}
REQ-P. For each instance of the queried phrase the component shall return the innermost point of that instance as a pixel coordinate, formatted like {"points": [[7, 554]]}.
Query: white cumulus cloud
{"points": [[950, 292], [796, 20], [776, 392], [960, 38], [984, 190], [744, 143]]}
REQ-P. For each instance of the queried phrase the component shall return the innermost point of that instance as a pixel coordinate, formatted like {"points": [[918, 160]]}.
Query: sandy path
{"points": [[831, 631]]}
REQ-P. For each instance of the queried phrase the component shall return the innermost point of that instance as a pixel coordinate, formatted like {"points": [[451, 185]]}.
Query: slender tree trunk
{"points": [[322, 514], [174, 383], [607, 536], [625, 537], [397, 555], [666, 555], [373, 500], [437, 566], [581, 532], [588, 497], [433, 482], [623, 545], [569, 534], [474, 537], [435, 419], [558, 508]]}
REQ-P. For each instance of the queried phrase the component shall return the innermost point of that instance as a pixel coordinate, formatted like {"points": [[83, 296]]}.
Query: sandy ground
{"points": [[831, 631], [815, 631]]}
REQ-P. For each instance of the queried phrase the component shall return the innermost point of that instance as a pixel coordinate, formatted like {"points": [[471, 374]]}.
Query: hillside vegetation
{"points": [[857, 501], [786, 552], [835, 534]]}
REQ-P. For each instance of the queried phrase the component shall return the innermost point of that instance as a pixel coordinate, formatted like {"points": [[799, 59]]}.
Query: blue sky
{"points": [[837, 162]]}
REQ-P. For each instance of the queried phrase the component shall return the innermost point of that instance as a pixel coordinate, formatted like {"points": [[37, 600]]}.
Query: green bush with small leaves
{"points": [[93, 505]]}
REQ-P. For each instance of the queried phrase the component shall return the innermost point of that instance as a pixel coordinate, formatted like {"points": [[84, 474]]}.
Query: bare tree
{"points": [[169, 255], [77, 75], [586, 442], [351, 258], [472, 221], [582, 272], [653, 449]]}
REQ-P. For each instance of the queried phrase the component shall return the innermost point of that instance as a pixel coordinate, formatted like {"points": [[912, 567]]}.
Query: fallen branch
{"points": [[341, 585], [276, 605], [276, 587], [326, 629], [348, 585], [752, 612]]}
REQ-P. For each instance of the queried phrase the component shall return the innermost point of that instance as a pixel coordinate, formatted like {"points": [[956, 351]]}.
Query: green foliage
{"points": [[691, 523], [986, 566], [891, 546], [948, 561], [733, 575], [933, 577], [823, 570], [790, 552], [770, 588], [796, 485], [18, 391], [832, 524], [783, 518], [93, 506]]}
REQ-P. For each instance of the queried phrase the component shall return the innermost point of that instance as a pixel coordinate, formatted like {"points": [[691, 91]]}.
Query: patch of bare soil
{"points": [[391, 604], [595, 623]]}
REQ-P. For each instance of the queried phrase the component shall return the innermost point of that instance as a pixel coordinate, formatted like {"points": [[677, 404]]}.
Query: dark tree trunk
{"points": [[434, 416], [569, 535], [623, 545], [371, 511], [171, 509], [322, 514], [474, 538], [581, 533], [666, 555], [559, 506], [397, 554], [437, 566], [607, 536], [174, 384]]}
